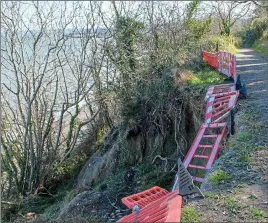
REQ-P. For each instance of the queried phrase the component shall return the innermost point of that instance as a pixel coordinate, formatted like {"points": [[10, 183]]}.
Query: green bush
{"points": [[225, 43], [261, 45], [256, 34]]}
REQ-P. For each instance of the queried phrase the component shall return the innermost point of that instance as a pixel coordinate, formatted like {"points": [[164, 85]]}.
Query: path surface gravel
{"points": [[245, 158], [253, 69]]}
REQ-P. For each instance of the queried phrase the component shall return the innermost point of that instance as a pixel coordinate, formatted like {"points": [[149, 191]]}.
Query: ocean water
{"points": [[72, 48]]}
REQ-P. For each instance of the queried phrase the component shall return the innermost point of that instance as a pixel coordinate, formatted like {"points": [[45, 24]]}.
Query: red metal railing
{"points": [[211, 58], [224, 62], [157, 204]]}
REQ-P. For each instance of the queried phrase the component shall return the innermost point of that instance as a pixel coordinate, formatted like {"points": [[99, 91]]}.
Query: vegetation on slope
{"points": [[256, 34], [148, 81]]}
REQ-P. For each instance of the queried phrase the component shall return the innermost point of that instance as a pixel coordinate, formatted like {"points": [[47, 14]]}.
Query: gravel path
{"points": [[253, 69], [245, 158]]}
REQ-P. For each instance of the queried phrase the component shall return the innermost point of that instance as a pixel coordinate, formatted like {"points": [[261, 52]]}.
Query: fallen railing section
{"points": [[157, 204], [204, 150]]}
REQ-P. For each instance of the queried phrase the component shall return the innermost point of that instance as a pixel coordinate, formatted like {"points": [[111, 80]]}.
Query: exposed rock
{"points": [[90, 172], [129, 147], [83, 202]]}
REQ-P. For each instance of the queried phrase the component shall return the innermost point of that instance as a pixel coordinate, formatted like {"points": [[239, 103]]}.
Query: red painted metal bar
{"points": [[194, 146], [164, 209], [143, 198], [211, 59], [214, 148], [218, 106], [219, 89]]}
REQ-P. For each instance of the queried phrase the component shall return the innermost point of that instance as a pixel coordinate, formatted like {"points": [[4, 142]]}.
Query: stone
{"points": [[83, 203]]}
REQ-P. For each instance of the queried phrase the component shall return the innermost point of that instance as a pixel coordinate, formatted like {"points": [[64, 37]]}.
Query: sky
{"points": [[106, 6], [28, 9]]}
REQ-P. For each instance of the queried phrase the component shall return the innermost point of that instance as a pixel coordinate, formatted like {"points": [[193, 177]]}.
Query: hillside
{"points": [[99, 100]]}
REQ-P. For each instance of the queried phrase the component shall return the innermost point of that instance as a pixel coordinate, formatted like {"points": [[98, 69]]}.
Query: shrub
{"points": [[225, 43]]}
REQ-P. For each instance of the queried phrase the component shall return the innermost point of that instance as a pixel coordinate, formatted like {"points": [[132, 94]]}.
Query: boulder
{"points": [[82, 205]]}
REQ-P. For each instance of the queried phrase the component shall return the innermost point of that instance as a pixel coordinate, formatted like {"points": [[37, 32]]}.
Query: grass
{"points": [[219, 176], [252, 196], [245, 158], [257, 213], [212, 195], [51, 212], [257, 148], [244, 136], [206, 77], [231, 202], [70, 195], [189, 215]]}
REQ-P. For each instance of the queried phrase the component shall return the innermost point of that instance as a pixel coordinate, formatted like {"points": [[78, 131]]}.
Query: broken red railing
{"points": [[145, 197], [157, 204], [166, 208], [205, 149], [219, 106], [218, 89]]}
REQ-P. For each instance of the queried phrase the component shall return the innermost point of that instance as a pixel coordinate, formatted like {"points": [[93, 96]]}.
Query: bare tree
{"points": [[229, 12], [47, 78]]}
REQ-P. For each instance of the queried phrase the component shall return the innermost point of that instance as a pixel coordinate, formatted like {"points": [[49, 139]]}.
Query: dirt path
{"points": [[245, 158], [254, 72]]}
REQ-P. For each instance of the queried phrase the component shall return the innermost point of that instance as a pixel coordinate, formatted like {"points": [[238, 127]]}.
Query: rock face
{"points": [[128, 146], [91, 172], [112, 155], [124, 148], [91, 206]]}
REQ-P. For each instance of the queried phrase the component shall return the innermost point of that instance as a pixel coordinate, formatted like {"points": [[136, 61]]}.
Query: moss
{"points": [[189, 215], [101, 133]]}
